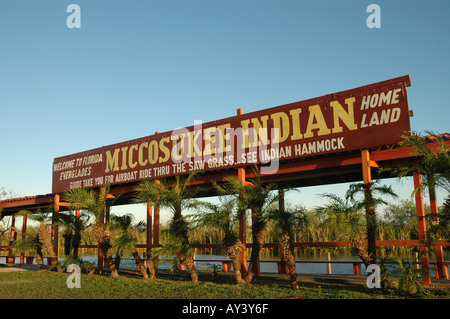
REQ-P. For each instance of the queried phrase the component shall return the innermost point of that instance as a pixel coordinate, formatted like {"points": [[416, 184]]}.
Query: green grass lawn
{"points": [[52, 285]]}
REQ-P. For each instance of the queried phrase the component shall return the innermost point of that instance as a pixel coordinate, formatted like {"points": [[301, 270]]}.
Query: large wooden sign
{"points": [[363, 117]]}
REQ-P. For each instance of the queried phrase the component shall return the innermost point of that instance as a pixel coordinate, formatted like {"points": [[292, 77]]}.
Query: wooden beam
{"points": [[27, 201], [64, 204], [403, 152], [373, 164]]}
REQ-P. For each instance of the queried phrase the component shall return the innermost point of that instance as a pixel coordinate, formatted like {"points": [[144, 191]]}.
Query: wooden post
{"points": [[100, 261], [156, 227], [416, 259], [100, 256], [242, 219], [356, 269], [422, 228], [77, 216], [441, 269], [24, 234], [149, 228], [226, 266], [367, 174], [156, 222], [11, 258], [328, 264], [370, 211], [55, 228], [242, 233], [281, 207]]}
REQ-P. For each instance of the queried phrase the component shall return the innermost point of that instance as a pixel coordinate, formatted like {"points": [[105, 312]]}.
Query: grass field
{"points": [[53, 285], [29, 293]]}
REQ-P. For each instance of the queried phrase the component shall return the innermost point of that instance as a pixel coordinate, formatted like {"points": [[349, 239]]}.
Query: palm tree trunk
{"points": [[117, 260], [253, 262], [109, 260], [46, 241], [371, 234], [40, 258], [288, 248], [361, 250], [234, 253], [67, 244], [76, 243], [371, 224], [192, 269], [139, 263], [258, 231], [104, 244], [151, 268], [179, 229]]}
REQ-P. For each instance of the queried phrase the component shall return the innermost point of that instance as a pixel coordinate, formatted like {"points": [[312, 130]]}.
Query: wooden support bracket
{"points": [[65, 204], [372, 164]]}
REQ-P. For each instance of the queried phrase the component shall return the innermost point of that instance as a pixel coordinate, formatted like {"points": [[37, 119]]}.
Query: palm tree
{"points": [[345, 217], [96, 203], [257, 197], [224, 217], [73, 226], [175, 196], [286, 221], [31, 244], [369, 203], [125, 241], [41, 241], [434, 166]]}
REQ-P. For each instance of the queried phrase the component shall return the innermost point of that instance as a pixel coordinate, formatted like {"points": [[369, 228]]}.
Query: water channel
{"points": [[265, 267]]}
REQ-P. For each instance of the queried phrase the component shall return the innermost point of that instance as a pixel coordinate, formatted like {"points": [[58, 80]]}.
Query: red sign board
{"points": [[368, 116]]}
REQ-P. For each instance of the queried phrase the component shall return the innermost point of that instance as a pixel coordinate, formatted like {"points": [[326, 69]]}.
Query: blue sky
{"points": [[136, 67]]}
